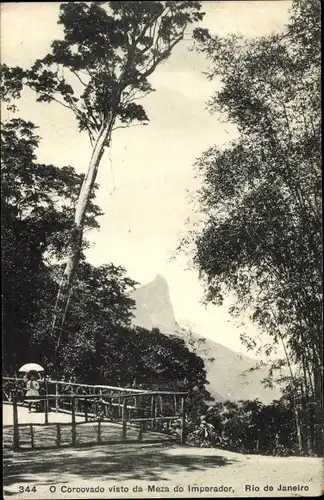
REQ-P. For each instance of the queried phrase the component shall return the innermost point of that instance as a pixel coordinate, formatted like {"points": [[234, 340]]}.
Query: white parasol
{"points": [[31, 367]]}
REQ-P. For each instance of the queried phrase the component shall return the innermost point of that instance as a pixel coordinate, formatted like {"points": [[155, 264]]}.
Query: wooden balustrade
{"points": [[146, 410]]}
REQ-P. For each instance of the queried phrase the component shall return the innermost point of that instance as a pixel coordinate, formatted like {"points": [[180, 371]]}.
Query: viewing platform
{"points": [[72, 414]]}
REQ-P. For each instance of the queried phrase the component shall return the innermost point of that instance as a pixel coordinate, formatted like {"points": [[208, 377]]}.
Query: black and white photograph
{"points": [[162, 259]]}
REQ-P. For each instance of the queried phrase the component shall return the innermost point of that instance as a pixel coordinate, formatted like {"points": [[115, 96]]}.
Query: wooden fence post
{"points": [[73, 421], [152, 411], [124, 418], [106, 412], [46, 398], [86, 418], [111, 408], [175, 403], [183, 420], [101, 405], [46, 409], [56, 399], [161, 406], [156, 414], [70, 400], [15, 423], [76, 402], [95, 406], [32, 442]]}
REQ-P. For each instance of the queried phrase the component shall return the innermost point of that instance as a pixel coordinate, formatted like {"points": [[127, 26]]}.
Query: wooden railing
{"points": [[153, 411]]}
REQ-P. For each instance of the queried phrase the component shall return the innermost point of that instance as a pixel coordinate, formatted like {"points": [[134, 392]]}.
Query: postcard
{"points": [[161, 249]]}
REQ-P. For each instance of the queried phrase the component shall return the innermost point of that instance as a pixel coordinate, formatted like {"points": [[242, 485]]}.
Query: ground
{"points": [[146, 470], [24, 417]]}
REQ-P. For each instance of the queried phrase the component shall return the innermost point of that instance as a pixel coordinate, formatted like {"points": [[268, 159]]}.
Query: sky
{"points": [[147, 176]]}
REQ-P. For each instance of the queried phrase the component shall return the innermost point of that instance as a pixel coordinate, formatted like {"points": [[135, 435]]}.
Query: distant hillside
{"points": [[226, 370]]}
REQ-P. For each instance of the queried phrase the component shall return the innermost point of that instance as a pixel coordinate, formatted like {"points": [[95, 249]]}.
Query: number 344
{"points": [[27, 489]]}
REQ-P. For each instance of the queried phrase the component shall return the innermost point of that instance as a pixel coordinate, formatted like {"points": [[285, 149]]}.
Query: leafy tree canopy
{"points": [[37, 203], [103, 63], [260, 200], [98, 71], [261, 194]]}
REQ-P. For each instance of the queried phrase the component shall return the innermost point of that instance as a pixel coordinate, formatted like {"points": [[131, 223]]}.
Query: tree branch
{"points": [[159, 59], [78, 77], [129, 126], [51, 96]]}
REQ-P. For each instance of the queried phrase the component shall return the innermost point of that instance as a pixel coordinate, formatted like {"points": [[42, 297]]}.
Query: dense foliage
{"points": [[260, 199], [248, 427], [37, 203]]}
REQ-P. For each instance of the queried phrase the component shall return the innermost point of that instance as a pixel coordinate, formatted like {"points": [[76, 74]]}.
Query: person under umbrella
{"points": [[32, 387]]}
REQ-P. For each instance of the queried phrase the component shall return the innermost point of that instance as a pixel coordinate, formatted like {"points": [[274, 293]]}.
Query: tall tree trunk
{"points": [[295, 394], [63, 295]]}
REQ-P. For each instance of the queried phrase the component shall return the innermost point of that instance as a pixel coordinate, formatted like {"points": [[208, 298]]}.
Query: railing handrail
{"points": [[95, 386], [109, 387], [102, 406]]}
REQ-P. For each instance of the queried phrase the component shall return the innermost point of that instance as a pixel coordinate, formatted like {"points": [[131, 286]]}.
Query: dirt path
{"points": [[24, 417], [159, 470]]}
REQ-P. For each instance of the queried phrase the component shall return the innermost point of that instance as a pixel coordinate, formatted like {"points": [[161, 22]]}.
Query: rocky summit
{"points": [[231, 375], [154, 307]]}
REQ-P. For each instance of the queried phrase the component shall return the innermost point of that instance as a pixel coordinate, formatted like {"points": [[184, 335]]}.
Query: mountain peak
{"points": [[159, 277], [153, 306], [227, 371], [160, 280]]}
